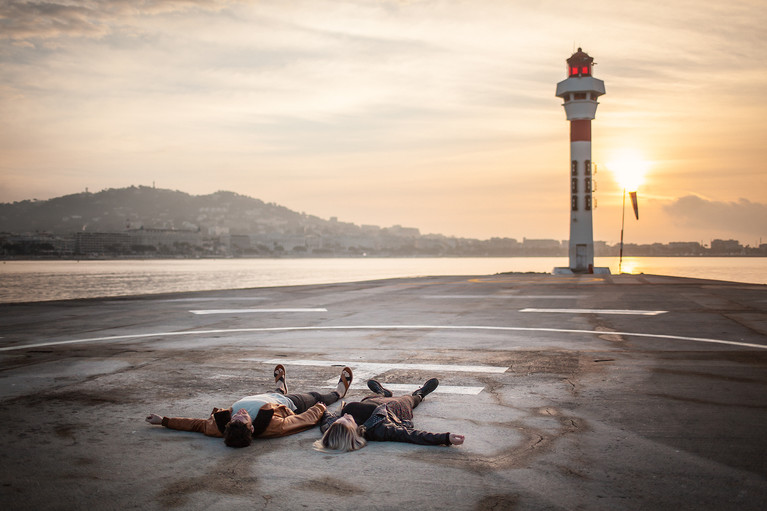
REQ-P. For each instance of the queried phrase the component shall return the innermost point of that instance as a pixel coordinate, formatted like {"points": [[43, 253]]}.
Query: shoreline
{"points": [[319, 256], [31, 281]]}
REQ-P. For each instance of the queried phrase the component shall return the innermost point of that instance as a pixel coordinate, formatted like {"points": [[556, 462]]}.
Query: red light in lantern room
{"points": [[580, 71]]}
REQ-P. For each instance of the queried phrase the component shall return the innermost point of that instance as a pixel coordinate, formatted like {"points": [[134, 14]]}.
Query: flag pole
{"points": [[623, 221]]}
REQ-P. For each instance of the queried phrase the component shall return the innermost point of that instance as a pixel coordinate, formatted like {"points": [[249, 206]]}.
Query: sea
{"points": [[34, 281]]}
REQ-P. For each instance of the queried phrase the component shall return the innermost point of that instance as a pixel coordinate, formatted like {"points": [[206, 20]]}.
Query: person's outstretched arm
{"points": [[285, 422], [328, 418], [205, 426], [393, 433]]}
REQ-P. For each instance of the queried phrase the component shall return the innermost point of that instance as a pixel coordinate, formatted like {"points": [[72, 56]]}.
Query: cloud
{"points": [[25, 20], [743, 216], [296, 102]]}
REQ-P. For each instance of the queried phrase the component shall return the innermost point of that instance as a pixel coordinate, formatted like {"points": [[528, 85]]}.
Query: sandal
{"points": [[280, 378], [345, 380]]}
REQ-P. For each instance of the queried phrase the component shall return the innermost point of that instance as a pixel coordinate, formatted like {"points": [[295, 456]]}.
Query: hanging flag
{"points": [[634, 203]]}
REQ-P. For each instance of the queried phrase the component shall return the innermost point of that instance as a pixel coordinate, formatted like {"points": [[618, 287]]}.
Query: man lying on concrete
{"points": [[266, 415]]}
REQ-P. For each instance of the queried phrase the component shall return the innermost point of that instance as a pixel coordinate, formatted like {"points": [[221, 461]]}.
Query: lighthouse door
{"points": [[580, 257]]}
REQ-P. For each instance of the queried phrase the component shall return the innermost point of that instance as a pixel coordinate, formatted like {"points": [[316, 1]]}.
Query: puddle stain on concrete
{"points": [[706, 402], [229, 476], [536, 443], [716, 377], [568, 368], [66, 431], [333, 486], [506, 502]]}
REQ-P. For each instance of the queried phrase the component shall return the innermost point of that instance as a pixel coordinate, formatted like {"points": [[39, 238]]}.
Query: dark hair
{"points": [[237, 434]]}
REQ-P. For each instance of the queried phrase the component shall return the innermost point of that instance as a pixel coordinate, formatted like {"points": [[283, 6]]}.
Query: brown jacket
{"points": [[284, 422]]}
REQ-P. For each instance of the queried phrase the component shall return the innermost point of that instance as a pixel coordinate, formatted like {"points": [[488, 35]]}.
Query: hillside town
{"points": [[371, 241], [144, 222]]}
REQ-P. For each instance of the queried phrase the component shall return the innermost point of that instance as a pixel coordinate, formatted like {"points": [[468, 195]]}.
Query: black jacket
{"points": [[384, 426]]}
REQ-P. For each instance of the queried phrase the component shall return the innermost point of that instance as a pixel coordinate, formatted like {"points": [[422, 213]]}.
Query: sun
{"points": [[629, 168]]}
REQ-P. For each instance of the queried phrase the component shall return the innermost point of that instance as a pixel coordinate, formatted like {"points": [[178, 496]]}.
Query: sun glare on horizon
{"points": [[629, 168]]}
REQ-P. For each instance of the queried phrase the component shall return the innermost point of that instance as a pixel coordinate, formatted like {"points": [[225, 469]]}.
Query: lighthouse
{"points": [[579, 92]]}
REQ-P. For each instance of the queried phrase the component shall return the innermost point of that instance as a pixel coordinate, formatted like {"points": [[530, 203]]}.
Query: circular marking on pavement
{"points": [[383, 327]]}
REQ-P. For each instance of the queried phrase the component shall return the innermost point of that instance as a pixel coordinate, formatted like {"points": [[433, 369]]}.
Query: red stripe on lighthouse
{"points": [[580, 130]]}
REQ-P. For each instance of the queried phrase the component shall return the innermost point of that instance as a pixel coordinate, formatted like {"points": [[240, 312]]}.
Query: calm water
{"points": [[24, 281]]}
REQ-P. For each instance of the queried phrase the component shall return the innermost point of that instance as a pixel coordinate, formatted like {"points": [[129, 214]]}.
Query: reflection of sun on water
{"points": [[630, 265], [629, 169]]}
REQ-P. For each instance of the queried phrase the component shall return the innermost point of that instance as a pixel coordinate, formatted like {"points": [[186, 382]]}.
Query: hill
{"points": [[119, 209], [144, 221]]}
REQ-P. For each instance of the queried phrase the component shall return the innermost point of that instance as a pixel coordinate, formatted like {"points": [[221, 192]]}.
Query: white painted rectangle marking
{"points": [[363, 371], [507, 297], [598, 311], [401, 389], [251, 311], [382, 367], [217, 299]]}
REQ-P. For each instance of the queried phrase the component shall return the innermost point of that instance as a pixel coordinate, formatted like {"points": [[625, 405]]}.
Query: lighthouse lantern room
{"points": [[579, 92]]}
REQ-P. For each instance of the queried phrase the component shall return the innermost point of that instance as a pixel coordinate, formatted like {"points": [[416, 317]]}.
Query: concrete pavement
{"points": [[574, 392]]}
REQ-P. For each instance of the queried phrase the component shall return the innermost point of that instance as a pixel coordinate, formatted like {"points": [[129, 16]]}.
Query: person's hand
{"points": [[319, 406], [456, 439], [153, 418]]}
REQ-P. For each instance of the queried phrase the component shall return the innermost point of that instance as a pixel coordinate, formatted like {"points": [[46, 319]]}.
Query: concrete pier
{"points": [[574, 392]]}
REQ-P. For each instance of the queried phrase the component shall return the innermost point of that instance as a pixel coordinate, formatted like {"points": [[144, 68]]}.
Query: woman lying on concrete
{"points": [[266, 415], [380, 418]]}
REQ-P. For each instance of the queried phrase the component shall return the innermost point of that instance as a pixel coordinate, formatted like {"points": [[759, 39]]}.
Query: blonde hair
{"points": [[342, 437]]}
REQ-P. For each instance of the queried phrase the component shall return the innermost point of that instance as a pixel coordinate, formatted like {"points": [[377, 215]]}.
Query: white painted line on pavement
{"points": [[190, 300], [249, 311], [507, 297], [547, 297], [380, 327], [627, 312], [363, 371], [381, 367], [217, 299], [400, 389]]}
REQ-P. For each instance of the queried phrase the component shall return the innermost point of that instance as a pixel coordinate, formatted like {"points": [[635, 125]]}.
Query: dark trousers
{"points": [[305, 401], [401, 406]]}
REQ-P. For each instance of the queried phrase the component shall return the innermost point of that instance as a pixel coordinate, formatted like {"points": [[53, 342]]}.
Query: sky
{"points": [[433, 114]]}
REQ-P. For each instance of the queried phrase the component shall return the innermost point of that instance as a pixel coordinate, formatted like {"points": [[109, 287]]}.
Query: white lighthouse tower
{"points": [[580, 92]]}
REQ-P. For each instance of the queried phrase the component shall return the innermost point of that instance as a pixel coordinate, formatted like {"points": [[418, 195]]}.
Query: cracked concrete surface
{"points": [[582, 420]]}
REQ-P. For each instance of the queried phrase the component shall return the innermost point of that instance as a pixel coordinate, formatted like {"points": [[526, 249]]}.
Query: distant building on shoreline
{"points": [[147, 243]]}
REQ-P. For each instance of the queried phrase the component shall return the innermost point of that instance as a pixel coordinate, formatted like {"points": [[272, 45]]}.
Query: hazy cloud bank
{"points": [[24, 20], [434, 113], [742, 216]]}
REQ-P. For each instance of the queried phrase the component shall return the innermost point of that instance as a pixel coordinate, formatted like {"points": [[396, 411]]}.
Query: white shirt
{"points": [[253, 404]]}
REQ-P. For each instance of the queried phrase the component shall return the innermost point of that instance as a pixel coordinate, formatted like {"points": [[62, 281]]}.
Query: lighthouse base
{"points": [[570, 271]]}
